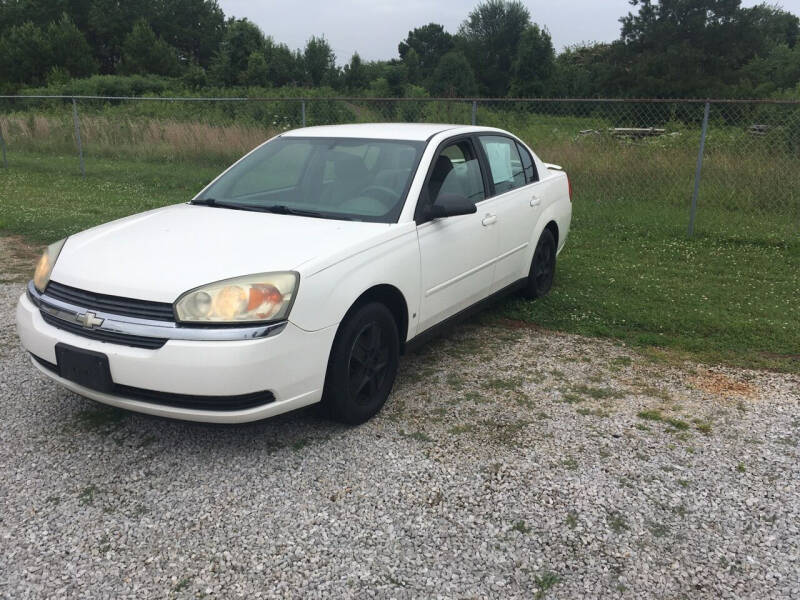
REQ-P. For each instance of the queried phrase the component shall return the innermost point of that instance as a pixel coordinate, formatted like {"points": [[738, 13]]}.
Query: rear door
{"points": [[456, 253], [514, 187]]}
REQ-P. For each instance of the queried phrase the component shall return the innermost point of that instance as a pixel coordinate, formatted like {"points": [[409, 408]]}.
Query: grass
{"points": [[419, 436], [650, 415], [521, 527], [677, 423], [617, 522], [597, 393], [461, 429], [572, 520], [595, 412], [727, 295], [121, 136], [544, 582], [86, 495], [44, 198], [702, 426], [629, 272], [570, 464]]}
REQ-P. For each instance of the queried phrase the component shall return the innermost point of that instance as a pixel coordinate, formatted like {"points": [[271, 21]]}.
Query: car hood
{"points": [[160, 254]]}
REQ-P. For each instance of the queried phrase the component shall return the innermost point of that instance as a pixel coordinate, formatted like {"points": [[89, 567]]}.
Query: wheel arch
{"points": [[553, 227], [391, 297]]}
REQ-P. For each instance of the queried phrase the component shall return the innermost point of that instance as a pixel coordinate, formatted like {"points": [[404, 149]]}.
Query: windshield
{"points": [[352, 179]]}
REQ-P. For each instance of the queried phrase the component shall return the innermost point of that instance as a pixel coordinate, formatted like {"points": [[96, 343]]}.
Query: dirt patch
{"points": [[17, 259], [722, 385]]}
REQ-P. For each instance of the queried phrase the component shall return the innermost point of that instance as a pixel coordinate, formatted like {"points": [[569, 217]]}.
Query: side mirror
{"points": [[450, 205]]}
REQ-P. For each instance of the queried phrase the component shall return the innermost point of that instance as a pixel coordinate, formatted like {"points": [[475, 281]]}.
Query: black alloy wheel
{"points": [[543, 267], [368, 364], [363, 364]]}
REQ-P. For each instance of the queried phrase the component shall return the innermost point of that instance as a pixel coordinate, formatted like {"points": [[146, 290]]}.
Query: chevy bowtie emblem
{"points": [[89, 320]]}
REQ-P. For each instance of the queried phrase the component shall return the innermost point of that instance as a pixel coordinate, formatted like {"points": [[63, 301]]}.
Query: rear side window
{"points": [[527, 164], [505, 162]]}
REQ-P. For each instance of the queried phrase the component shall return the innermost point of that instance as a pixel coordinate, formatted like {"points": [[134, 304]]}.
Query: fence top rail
{"points": [[439, 99]]}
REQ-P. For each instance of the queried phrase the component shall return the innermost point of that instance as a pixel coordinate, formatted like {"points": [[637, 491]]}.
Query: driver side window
{"points": [[457, 171]]}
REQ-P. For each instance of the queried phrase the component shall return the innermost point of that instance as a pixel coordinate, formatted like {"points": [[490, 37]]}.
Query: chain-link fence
{"points": [[725, 166]]}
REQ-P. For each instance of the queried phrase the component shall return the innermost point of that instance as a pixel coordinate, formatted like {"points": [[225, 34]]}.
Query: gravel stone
{"points": [[509, 462]]}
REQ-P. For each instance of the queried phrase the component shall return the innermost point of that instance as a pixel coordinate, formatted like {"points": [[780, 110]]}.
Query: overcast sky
{"points": [[375, 27]]}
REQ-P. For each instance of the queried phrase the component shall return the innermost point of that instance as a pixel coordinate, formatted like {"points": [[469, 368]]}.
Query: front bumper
{"points": [[291, 365]]}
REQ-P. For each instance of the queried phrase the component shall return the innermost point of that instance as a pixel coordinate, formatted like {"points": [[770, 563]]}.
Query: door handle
{"points": [[489, 219], [536, 201]]}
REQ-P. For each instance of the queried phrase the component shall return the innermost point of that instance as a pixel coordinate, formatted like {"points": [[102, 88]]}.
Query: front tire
{"points": [[363, 364], [543, 267]]}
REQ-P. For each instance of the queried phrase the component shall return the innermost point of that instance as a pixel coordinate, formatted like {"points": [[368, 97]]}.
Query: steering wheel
{"points": [[383, 193]]}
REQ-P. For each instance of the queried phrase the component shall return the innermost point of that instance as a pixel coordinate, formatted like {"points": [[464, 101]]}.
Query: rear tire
{"points": [[363, 364], [543, 267]]}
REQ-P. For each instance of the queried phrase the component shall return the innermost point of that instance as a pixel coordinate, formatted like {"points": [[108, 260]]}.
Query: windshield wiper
{"points": [[282, 209], [278, 209], [204, 202], [217, 204]]}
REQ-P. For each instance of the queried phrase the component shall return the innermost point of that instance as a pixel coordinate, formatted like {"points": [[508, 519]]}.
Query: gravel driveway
{"points": [[509, 462]]}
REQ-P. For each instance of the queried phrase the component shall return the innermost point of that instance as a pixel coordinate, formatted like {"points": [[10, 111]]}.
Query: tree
{"points": [[257, 72], [229, 64], [424, 45], [453, 76], [396, 75], [143, 52], [194, 27], [354, 74], [773, 26], [282, 66], [490, 37], [412, 63], [685, 47], [583, 71], [535, 63], [69, 49], [29, 54], [778, 70], [319, 61], [24, 54], [38, 12], [109, 23], [194, 77]]}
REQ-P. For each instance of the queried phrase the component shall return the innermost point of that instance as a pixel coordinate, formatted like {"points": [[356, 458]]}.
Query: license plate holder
{"points": [[84, 367]]}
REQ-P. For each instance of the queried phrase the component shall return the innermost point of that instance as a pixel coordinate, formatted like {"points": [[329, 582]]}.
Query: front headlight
{"points": [[263, 297], [41, 276]]}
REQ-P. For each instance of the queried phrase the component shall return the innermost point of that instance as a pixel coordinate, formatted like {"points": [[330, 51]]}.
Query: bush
{"points": [[107, 85]]}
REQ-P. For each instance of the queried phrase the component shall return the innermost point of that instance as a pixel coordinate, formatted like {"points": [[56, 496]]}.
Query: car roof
{"points": [[382, 131]]}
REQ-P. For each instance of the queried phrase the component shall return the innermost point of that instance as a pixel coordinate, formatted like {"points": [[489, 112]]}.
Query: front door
{"points": [[456, 253]]}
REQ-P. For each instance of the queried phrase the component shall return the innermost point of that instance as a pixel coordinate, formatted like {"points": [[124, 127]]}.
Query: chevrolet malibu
{"points": [[299, 275]]}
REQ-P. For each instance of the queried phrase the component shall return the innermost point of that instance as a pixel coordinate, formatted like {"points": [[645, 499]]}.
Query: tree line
{"points": [[666, 48]]}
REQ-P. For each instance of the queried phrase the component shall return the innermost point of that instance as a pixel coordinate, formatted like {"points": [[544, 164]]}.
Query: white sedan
{"points": [[299, 275]]}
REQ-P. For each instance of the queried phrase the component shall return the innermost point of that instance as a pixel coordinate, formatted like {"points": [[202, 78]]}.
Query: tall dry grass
{"points": [[133, 138]]}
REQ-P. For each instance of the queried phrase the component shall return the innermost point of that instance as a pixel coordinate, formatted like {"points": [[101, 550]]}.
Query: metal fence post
{"points": [[699, 169], [78, 135], [303, 111], [3, 144], [474, 112]]}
